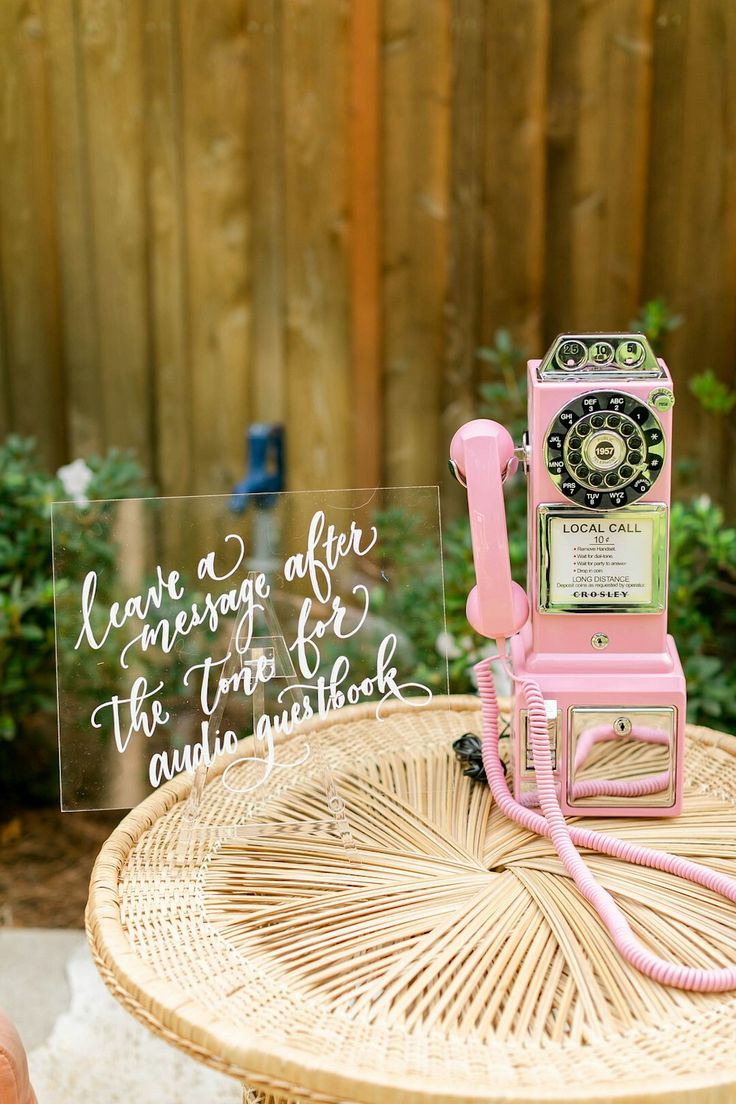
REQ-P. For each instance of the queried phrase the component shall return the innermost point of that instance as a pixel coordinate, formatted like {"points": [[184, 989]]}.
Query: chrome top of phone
{"points": [[617, 357]]}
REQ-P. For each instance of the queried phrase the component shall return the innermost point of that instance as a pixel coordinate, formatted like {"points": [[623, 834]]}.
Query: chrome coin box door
{"points": [[624, 752]]}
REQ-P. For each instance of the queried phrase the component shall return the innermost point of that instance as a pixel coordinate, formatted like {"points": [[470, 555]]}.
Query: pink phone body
{"points": [[593, 635]]}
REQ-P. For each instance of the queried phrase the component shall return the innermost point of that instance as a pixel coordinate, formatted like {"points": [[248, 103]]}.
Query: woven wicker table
{"points": [[453, 962]]}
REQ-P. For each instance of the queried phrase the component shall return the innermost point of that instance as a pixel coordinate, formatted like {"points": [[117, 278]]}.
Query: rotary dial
{"points": [[604, 450]]}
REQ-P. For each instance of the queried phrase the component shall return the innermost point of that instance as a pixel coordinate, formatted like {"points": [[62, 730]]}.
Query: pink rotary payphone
{"points": [[597, 727]]}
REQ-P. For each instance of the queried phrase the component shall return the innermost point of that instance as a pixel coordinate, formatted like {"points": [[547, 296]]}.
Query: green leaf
{"points": [[713, 394]]}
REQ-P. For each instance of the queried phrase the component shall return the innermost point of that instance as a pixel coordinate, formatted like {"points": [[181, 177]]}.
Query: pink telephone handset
{"points": [[597, 725], [483, 450]]}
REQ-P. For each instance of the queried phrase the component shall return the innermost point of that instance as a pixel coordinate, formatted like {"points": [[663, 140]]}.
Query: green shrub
{"points": [[702, 614], [656, 320], [28, 761], [715, 396]]}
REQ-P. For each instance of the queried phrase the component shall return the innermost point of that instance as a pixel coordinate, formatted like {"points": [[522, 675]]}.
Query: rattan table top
{"points": [[453, 961]]}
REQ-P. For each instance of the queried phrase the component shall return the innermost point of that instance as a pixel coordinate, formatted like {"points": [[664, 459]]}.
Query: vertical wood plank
{"points": [[111, 36], [214, 65], [513, 214], [321, 411], [601, 97], [692, 226], [82, 377], [562, 97], [30, 293], [663, 228], [607, 215], [6, 423], [365, 238], [6, 393], [416, 87], [464, 280], [727, 352], [167, 253], [266, 166], [76, 266]]}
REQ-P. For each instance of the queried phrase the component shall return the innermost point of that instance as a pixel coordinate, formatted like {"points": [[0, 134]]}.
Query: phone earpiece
{"points": [[482, 452], [484, 429]]}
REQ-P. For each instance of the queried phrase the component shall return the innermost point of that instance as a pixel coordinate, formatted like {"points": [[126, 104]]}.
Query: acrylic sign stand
{"points": [[161, 595]]}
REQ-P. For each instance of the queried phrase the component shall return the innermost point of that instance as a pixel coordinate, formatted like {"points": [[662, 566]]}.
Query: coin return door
{"points": [[621, 757]]}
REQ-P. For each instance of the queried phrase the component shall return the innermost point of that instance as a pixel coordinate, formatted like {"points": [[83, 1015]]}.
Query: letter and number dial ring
{"points": [[604, 450]]}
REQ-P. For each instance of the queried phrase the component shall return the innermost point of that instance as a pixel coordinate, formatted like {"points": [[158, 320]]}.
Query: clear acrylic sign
{"points": [[198, 631]]}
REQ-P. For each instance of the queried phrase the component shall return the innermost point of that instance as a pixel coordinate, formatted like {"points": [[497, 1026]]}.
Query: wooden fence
{"points": [[316, 212]]}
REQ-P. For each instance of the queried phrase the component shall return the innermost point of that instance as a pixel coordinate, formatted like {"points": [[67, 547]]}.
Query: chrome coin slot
{"points": [[605, 356]]}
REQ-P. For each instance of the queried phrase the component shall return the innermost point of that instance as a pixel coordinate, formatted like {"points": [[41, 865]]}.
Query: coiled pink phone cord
{"points": [[567, 838]]}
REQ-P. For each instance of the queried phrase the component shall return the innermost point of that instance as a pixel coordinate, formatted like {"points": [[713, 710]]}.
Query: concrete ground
{"points": [[34, 988], [82, 1046]]}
